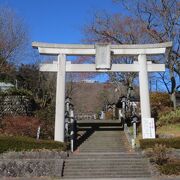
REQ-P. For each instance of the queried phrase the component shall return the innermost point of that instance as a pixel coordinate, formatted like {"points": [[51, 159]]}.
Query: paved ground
{"points": [[47, 178]]}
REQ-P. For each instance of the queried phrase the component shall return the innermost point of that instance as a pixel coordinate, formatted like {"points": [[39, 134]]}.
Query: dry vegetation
{"points": [[92, 97]]}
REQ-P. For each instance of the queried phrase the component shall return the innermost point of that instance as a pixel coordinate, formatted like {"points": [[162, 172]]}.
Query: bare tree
{"points": [[116, 29], [13, 37], [161, 22]]}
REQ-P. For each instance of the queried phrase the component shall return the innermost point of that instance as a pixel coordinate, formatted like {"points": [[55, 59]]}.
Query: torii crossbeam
{"points": [[103, 53]]}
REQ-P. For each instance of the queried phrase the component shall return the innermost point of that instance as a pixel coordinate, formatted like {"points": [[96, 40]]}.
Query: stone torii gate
{"points": [[103, 53]]}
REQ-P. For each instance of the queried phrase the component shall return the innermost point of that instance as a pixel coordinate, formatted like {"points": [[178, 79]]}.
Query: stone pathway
{"points": [[105, 154]]}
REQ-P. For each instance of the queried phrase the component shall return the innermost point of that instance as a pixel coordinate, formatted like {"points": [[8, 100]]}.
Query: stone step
{"points": [[99, 145], [110, 143], [106, 141], [114, 165], [108, 168], [105, 154], [106, 138], [103, 151], [124, 177], [105, 157], [102, 144], [132, 153], [108, 160], [97, 165], [107, 135], [108, 174], [103, 148], [120, 154], [101, 174], [93, 165]]}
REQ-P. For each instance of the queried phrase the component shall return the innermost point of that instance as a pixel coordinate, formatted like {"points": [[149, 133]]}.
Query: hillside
{"points": [[91, 97]]}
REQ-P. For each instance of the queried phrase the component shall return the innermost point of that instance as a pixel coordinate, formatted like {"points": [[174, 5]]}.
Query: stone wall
{"points": [[32, 164], [15, 105]]}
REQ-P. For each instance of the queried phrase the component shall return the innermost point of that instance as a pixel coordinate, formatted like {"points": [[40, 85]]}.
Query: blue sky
{"points": [[58, 21]]}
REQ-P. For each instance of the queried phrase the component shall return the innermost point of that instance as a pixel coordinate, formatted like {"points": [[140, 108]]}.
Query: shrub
{"points": [[47, 116], [169, 143], [169, 117], [14, 91], [47, 131], [159, 154], [20, 126], [8, 143], [159, 100], [171, 168], [109, 115]]}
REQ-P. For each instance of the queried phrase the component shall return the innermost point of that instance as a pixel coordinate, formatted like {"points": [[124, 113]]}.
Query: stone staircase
{"points": [[105, 154], [105, 141]]}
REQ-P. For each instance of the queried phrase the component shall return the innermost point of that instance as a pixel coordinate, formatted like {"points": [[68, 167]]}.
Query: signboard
{"points": [[103, 57], [148, 127]]}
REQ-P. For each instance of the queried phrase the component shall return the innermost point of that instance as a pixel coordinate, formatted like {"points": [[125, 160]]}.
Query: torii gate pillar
{"points": [[60, 99], [146, 121], [143, 85]]}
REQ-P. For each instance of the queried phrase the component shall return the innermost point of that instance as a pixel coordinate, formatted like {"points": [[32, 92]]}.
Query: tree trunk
{"points": [[173, 99], [173, 88]]}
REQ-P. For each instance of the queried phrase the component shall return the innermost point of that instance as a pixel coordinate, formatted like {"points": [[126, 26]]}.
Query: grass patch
{"points": [[8, 143], [171, 129]]}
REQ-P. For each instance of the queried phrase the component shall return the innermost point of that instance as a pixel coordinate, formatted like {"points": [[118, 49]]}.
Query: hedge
{"points": [[8, 143], [170, 168], [168, 142]]}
